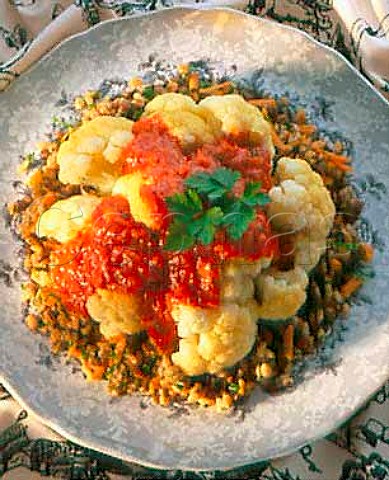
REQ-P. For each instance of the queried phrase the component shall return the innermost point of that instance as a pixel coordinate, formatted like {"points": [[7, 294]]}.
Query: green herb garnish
{"points": [[240, 212], [148, 93], [233, 387], [192, 221], [207, 205], [214, 185]]}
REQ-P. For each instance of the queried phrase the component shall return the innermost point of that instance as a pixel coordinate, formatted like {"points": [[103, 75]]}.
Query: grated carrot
{"points": [[318, 145], [350, 287], [336, 264], [307, 129], [263, 102], [219, 89], [300, 117], [328, 181], [288, 338], [193, 81], [194, 85], [342, 166], [336, 157], [279, 144], [368, 252]]}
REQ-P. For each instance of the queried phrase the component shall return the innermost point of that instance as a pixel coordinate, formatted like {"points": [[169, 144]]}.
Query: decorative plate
{"points": [[355, 360]]}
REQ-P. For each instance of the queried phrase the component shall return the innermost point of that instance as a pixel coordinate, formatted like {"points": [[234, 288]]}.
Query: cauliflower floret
{"points": [[213, 338], [237, 115], [237, 279], [116, 312], [300, 200], [188, 357], [90, 154], [142, 208], [307, 252], [281, 293], [192, 124], [63, 220]]}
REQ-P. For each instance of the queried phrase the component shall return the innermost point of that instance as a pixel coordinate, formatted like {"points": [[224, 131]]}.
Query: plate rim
{"points": [[232, 11], [89, 444], [9, 385]]}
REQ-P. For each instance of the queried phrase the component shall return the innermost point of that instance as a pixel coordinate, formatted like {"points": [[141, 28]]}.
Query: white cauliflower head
{"points": [[91, 153], [192, 124], [65, 218], [281, 294], [307, 252], [237, 116], [212, 339], [300, 200], [116, 312], [237, 279], [142, 209]]}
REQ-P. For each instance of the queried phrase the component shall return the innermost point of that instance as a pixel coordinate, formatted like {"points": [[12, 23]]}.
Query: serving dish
{"points": [[175, 439]]}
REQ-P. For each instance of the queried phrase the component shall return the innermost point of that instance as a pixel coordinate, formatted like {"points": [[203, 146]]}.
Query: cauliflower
{"points": [[237, 115], [281, 293], [116, 312], [237, 279], [192, 124], [63, 220], [307, 252], [213, 338], [300, 200], [90, 154], [129, 186]]}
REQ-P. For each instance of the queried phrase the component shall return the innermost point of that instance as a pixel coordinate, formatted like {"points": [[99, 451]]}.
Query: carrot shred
{"points": [[328, 181], [263, 102], [219, 89], [279, 144], [350, 287], [318, 145], [368, 252], [193, 81], [307, 129], [336, 264], [336, 158], [288, 342], [342, 166], [300, 117]]}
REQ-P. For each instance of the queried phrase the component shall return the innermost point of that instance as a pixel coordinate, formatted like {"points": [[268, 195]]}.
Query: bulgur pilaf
{"points": [[131, 356]]}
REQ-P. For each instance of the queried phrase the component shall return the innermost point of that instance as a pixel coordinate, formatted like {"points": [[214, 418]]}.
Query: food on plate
{"points": [[186, 240], [191, 123], [65, 218], [238, 116], [211, 339], [91, 153]]}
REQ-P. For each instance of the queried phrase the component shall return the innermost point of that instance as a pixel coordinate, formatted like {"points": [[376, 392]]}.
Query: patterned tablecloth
{"points": [[359, 29]]}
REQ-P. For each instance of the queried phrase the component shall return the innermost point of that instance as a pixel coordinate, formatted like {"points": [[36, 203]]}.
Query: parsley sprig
{"points": [[207, 205]]}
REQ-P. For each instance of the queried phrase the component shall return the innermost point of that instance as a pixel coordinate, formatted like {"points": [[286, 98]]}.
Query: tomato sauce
{"points": [[115, 252]]}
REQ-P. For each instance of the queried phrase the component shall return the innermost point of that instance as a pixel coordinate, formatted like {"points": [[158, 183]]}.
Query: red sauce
{"points": [[115, 252], [253, 163], [120, 254]]}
